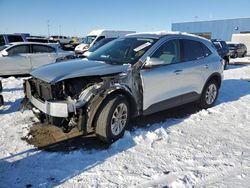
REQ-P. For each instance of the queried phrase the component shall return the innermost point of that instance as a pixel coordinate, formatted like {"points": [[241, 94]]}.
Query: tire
{"points": [[244, 54], [226, 63], [1, 100], [236, 55], [106, 128], [211, 89]]}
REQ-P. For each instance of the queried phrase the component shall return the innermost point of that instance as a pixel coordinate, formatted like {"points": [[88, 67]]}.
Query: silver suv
{"points": [[139, 74]]}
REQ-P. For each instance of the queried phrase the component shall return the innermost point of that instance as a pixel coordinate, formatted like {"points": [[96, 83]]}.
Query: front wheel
{"points": [[209, 94], [112, 118]]}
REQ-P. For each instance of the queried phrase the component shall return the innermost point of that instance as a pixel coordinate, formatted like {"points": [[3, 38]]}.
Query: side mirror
{"points": [[151, 62], [5, 53]]}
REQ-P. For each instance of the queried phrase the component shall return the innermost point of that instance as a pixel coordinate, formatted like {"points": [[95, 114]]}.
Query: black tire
{"points": [[1, 100], [104, 118], [244, 54], [235, 55], [226, 63], [203, 101]]}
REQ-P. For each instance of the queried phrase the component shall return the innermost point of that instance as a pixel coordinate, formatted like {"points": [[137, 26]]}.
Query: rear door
{"points": [[17, 61], [195, 68], [42, 54]]}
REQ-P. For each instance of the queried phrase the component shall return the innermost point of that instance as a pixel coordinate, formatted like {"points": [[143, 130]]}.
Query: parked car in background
{"points": [[223, 50], [97, 35], [97, 46], [237, 49], [22, 57], [139, 74], [61, 39], [9, 38], [1, 96], [40, 39]]}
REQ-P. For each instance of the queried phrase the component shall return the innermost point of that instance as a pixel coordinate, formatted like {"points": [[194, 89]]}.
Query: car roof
{"points": [[160, 34], [40, 43], [234, 43]]}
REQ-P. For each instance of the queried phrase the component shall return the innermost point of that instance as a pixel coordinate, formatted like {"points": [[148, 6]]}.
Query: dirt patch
{"points": [[51, 138]]}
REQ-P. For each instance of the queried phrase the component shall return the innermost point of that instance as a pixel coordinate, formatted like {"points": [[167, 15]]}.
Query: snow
{"points": [[204, 148]]}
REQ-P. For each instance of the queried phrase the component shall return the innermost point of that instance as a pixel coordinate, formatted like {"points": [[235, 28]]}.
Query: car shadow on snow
{"points": [[232, 90], [57, 162], [235, 66], [10, 107]]}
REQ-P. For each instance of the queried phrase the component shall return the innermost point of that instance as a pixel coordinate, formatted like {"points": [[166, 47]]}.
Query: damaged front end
{"points": [[72, 102]]}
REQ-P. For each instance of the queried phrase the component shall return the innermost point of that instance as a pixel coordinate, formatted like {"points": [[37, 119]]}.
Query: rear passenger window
{"points": [[42, 49], [15, 38], [19, 49], [193, 50], [168, 52]]}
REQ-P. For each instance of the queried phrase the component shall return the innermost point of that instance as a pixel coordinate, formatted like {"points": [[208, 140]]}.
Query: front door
{"points": [[17, 61], [162, 82]]}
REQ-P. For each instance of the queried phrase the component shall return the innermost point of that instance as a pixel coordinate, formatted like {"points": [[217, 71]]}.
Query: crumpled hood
{"points": [[56, 72]]}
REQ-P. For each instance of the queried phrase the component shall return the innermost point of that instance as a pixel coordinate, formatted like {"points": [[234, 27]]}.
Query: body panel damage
{"points": [[82, 97]]}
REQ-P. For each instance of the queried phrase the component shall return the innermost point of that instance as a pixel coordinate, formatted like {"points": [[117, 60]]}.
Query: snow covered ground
{"points": [[207, 148]]}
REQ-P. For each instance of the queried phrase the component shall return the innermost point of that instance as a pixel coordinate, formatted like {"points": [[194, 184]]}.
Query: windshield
{"points": [[122, 50], [89, 39], [100, 44]]}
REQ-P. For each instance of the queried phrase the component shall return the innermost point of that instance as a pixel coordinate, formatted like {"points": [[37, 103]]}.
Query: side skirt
{"points": [[172, 102]]}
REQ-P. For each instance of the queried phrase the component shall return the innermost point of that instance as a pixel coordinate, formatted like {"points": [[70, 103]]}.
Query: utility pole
{"points": [[60, 31], [48, 28]]}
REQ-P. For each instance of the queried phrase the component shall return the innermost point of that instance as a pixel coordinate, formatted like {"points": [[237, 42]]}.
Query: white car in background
{"points": [[96, 35], [61, 39], [22, 57]]}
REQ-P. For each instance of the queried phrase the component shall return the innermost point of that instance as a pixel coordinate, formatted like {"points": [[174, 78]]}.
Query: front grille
{"points": [[42, 90]]}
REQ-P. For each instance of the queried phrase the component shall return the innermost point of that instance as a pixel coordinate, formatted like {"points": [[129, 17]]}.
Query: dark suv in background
{"points": [[9, 38], [223, 50], [237, 49]]}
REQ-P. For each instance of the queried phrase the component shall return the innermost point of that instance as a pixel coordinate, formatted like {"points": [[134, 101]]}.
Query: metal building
{"points": [[215, 29]]}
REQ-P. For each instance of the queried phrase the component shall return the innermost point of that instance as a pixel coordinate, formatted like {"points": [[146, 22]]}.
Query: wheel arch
{"points": [[215, 76], [110, 93]]}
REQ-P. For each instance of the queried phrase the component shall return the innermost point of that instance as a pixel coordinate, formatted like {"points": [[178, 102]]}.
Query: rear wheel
{"points": [[244, 54], [235, 55], [209, 94], [112, 118], [226, 63]]}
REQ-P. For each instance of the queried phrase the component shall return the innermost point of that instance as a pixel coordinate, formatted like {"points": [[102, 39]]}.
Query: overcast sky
{"points": [[79, 17]]}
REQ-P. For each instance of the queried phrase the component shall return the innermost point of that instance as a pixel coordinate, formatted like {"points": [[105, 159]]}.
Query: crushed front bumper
{"points": [[51, 108]]}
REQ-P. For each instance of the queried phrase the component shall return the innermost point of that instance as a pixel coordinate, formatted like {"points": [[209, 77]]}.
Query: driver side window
{"points": [[20, 49], [169, 52]]}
